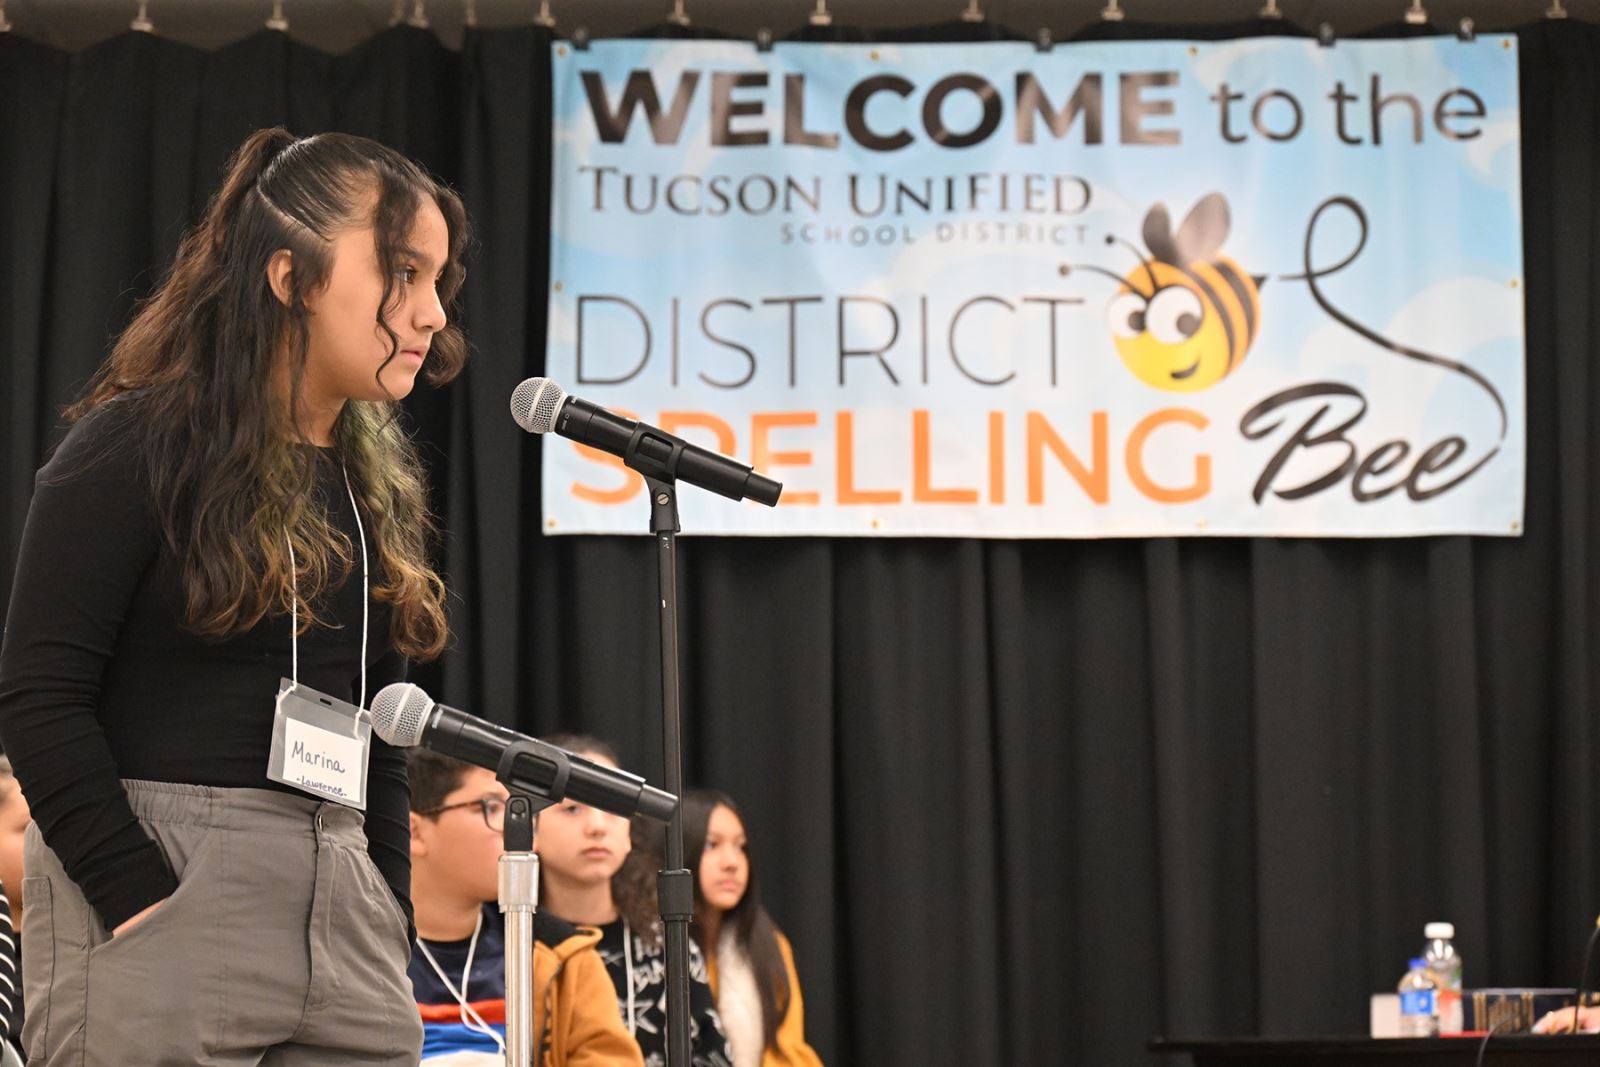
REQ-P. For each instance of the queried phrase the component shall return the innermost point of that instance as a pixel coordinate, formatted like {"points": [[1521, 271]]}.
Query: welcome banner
{"points": [[1261, 287]]}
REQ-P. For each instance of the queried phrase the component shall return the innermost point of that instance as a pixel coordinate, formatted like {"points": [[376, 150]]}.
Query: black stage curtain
{"points": [[1015, 802]]}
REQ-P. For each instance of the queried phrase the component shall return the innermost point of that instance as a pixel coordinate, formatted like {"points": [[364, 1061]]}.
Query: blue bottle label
{"points": [[1416, 1002]]}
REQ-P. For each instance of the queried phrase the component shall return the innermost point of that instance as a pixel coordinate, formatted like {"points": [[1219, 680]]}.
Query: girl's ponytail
{"points": [[243, 170]]}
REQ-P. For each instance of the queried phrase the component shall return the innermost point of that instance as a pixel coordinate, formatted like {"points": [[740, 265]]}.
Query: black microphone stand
{"points": [[656, 457], [674, 884], [519, 866]]}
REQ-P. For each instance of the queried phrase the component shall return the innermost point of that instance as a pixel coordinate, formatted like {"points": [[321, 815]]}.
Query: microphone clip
{"points": [[522, 813], [663, 506], [506, 771], [653, 454]]}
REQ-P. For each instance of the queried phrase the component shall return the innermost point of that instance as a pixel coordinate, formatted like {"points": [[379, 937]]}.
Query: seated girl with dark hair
{"points": [[748, 960]]}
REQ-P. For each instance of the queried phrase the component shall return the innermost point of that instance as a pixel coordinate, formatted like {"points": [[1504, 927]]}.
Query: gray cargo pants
{"points": [[281, 946]]}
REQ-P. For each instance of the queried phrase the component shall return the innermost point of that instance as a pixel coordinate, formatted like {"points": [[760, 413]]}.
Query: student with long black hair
{"points": [[748, 960], [225, 557]]}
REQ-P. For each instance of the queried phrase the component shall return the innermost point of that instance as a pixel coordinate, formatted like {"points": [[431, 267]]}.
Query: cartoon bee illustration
{"points": [[1184, 318]]}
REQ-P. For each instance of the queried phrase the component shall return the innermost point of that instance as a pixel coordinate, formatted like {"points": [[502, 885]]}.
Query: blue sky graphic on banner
{"points": [[1132, 288]]}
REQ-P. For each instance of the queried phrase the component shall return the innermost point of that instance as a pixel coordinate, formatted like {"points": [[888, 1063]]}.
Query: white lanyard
{"points": [[469, 1015], [627, 964], [294, 601]]}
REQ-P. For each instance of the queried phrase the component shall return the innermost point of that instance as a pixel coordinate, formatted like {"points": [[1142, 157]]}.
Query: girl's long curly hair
{"points": [[220, 444]]}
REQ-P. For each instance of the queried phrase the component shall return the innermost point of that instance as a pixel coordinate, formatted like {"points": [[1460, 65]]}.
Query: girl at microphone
{"points": [[749, 961], [224, 558]]}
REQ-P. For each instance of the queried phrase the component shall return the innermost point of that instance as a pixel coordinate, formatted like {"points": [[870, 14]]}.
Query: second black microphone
{"points": [[403, 715]]}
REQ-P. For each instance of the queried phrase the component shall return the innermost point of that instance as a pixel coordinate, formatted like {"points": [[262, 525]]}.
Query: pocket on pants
{"points": [[183, 847], [160, 987], [172, 909], [380, 888], [39, 962]]}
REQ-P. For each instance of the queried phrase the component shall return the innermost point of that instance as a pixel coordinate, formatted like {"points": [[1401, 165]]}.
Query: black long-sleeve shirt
{"points": [[100, 678]]}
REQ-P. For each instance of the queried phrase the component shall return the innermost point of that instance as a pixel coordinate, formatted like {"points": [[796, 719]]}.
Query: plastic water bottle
{"points": [[1445, 964], [1419, 1004]]}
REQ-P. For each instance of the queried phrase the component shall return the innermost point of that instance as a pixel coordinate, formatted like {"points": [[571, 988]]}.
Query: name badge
{"points": [[320, 745]]}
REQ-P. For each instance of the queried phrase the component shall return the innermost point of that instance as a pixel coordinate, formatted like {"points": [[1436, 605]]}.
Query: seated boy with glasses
{"points": [[458, 963]]}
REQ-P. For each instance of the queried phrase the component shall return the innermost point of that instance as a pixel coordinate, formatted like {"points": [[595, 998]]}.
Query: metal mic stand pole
{"points": [[519, 896], [674, 886], [519, 886]]}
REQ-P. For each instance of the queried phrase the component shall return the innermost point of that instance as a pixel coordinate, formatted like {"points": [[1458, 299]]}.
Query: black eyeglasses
{"points": [[493, 809]]}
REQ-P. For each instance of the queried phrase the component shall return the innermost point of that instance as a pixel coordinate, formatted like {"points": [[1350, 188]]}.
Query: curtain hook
{"points": [[276, 20], [1555, 10], [1467, 30], [1042, 40], [1325, 35], [1416, 14], [820, 16], [679, 16], [1113, 11], [1272, 11], [580, 38], [763, 40], [469, 14], [544, 18], [5, 23], [398, 15], [974, 11], [418, 17], [141, 22]]}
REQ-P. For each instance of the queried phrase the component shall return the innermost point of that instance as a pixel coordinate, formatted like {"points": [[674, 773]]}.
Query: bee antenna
{"points": [[1068, 268], [1113, 239]]}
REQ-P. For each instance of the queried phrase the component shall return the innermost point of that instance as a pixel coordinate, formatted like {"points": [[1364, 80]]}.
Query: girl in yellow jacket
{"points": [[590, 874], [748, 960]]}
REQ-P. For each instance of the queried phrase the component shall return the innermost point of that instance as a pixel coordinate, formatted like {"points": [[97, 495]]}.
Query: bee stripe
{"points": [[1245, 290], [1212, 300]]}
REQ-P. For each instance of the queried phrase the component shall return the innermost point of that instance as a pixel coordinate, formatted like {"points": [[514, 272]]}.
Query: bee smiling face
{"points": [[1184, 318], [1168, 339]]}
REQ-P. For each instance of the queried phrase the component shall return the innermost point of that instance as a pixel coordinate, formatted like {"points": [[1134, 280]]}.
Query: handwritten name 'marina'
{"points": [[315, 759]]}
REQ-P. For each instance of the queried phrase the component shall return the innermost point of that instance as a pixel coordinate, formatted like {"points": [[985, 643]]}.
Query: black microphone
{"points": [[540, 405], [403, 715]]}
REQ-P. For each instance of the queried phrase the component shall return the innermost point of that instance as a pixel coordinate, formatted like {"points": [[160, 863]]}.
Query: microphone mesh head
{"points": [[399, 711], [534, 404]]}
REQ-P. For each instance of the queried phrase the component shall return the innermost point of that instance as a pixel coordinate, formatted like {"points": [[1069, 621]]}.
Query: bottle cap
{"points": [[1439, 931]]}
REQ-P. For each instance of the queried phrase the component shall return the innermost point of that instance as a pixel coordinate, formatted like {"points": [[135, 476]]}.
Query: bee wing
{"points": [[1203, 231], [1158, 235]]}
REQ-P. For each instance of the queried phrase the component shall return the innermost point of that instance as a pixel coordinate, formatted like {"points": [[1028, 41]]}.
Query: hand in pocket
{"points": [[129, 923]]}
